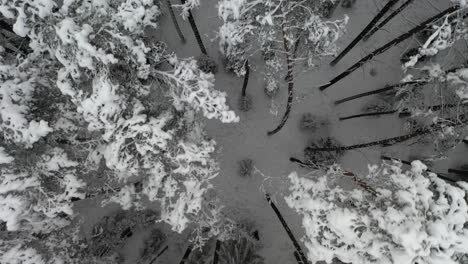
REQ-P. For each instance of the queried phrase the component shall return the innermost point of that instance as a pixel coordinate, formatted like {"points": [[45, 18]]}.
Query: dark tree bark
{"points": [[387, 46], [174, 20], [160, 253], [290, 80], [364, 31], [246, 78], [368, 114], [193, 25], [386, 142], [387, 19], [288, 230], [458, 172], [385, 89], [216, 253], [186, 254], [298, 258], [409, 163]]}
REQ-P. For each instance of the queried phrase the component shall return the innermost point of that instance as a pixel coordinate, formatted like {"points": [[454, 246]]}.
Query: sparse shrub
{"points": [[348, 3], [373, 72], [207, 64], [322, 158], [243, 250], [311, 122], [246, 167], [327, 8], [245, 103]]}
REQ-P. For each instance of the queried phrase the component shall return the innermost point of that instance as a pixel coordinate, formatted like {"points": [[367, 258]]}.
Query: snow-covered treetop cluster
{"points": [[405, 217], [252, 26], [95, 97]]}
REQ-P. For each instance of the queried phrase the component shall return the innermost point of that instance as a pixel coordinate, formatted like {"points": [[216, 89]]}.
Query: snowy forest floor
{"points": [[244, 197]]}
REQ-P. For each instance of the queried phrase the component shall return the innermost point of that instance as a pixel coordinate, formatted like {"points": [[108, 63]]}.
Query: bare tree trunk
{"points": [[160, 253], [186, 254], [216, 253], [385, 89], [364, 31], [288, 230], [195, 30], [465, 141], [387, 142], [387, 19], [174, 20], [246, 78], [368, 114], [387, 46], [290, 80]]}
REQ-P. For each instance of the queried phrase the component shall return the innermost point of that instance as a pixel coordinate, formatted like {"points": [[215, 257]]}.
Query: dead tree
{"points": [[174, 21], [365, 31], [193, 25], [288, 230], [387, 46], [459, 172], [387, 19]]}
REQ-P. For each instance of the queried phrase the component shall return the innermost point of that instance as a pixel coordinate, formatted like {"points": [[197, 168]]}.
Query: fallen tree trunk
{"points": [[387, 19], [365, 31], [288, 230], [458, 172], [387, 46]]}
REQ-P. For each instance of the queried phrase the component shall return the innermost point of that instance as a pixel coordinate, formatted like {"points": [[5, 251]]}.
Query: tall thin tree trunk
{"points": [[174, 21], [387, 19], [409, 163], [364, 31], [195, 30], [246, 78], [387, 46], [386, 142], [216, 253], [303, 163], [368, 114], [288, 230], [160, 253], [186, 254], [381, 90], [290, 80]]}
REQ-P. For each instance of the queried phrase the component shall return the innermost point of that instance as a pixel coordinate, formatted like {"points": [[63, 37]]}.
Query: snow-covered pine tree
{"points": [[96, 103], [393, 216]]}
